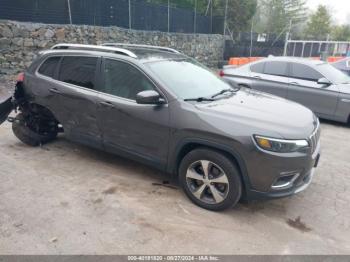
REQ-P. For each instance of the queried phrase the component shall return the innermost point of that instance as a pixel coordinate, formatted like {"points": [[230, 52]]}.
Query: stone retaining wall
{"points": [[19, 42]]}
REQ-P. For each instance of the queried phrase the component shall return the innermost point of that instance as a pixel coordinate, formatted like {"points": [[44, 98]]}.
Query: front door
{"points": [[129, 128], [305, 90]]}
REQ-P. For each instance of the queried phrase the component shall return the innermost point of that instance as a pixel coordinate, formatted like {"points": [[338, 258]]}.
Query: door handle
{"points": [[257, 77], [108, 104], [294, 83], [54, 90]]}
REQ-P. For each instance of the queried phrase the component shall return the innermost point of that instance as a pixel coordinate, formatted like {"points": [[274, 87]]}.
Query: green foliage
{"points": [[319, 24], [274, 16], [239, 12], [341, 33]]}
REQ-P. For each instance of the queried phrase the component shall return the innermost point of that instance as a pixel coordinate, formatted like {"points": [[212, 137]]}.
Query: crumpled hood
{"points": [[267, 114]]}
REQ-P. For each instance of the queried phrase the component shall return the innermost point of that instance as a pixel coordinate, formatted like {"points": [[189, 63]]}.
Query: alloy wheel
{"points": [[207, 182]]}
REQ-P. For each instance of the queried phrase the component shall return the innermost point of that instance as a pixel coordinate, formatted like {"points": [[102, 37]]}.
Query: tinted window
{"points": [[305, 72], [334, 75], [276, 68], [48, 68], [123, 80], [78, 71], [258, 68], [187, 78]]}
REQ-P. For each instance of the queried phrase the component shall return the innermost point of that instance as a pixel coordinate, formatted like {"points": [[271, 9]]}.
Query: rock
{"points": [[53, 240], [5, 31], [49, 33], [28, 42], [18, 41], [60, 34], [4, 43]]}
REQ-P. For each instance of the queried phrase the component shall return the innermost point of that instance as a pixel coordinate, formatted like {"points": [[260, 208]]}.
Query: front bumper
{"points": [[299, 185]]}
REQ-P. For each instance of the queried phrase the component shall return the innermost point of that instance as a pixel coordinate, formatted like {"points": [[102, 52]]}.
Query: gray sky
{"points": [[340, 8]]}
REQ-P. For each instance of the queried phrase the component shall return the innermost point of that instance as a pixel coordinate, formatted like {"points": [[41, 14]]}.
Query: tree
{"points": [[341, 33], [319, 24], [239, 12], [276, 15]]}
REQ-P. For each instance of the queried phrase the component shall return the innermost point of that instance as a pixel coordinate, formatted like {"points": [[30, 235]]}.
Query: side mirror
{"points": [[149, 97], [324, 81]]}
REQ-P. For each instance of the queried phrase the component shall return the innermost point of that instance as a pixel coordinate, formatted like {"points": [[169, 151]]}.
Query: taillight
{"points": [[20, 77], [221, 73]]}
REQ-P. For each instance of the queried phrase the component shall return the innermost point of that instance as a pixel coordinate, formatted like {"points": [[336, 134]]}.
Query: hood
{"points": [[264, 114], [344, 88]]}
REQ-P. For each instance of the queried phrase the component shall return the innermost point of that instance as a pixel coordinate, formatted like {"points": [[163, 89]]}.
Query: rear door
{"points": [[129, 128], [71, 96], [271, 77], [305, 90]]}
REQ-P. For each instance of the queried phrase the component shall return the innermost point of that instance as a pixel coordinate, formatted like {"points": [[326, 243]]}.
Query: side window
{"points": [[78, 70], [305, 72], [48, 68], [123, 80], [276, 68], [257, 68]]}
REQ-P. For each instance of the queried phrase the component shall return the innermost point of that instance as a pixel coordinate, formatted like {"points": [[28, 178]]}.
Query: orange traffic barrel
{"points": [[234, 61], [243, 60]]}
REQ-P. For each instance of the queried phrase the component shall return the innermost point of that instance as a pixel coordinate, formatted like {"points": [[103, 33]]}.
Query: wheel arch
{"points": [[233, 155], [38, 108]]}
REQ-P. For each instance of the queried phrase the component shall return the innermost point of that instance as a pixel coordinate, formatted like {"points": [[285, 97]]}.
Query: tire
{"points": [[27, 135], [227, 191]]}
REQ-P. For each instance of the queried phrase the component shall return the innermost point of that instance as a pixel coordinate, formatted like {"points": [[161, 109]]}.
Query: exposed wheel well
{"points": [[191, 146], [39, 115]]}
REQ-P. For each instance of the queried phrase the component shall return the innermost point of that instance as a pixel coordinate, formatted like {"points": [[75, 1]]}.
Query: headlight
{"points": [[280, 145]]}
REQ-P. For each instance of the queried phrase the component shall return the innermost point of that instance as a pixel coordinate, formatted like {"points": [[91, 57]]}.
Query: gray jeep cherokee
{"points": [[160, 107]]}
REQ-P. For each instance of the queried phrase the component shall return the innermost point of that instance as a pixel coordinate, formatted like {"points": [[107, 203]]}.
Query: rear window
{"points": [[257, 68], [48, 68], [276, 68], [78, 70], [305, 72]]}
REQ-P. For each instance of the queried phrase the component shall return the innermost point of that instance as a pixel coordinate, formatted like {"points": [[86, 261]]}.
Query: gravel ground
{"points": [[65, 198]]}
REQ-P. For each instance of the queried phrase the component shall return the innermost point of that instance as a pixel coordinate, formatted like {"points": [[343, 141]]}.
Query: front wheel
{"points": [[25, 131], [210, 179]]}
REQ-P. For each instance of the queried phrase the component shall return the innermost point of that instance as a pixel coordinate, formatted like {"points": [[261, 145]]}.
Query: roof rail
{"points": [[161, 48], [95, 47]]}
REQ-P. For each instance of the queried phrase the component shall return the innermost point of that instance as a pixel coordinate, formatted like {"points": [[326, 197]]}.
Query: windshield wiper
{"points": [[199, 99], [224, 91]]}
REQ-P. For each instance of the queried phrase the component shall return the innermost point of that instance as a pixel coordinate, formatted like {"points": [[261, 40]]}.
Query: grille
{"points": [[315, 138]]}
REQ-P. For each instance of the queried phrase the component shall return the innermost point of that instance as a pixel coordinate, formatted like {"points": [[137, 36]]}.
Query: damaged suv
{"points": [[160, 107]]}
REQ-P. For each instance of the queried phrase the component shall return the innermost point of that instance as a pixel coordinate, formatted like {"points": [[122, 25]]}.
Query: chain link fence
{"points": [[132, 14]]}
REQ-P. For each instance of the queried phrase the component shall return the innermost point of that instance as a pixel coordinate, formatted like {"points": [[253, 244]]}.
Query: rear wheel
{"points": [[31, 131], [210, 179]]}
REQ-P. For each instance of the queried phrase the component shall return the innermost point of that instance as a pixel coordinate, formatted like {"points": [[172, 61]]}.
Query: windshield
{"points": [[332, 74], [187, 78]]}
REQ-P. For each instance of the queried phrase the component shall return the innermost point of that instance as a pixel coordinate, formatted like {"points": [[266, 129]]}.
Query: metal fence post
{"points": [[251, 38], [69, 12], [168, 16], [195, 16], [225, 19], [129, 14], [211, 16]]}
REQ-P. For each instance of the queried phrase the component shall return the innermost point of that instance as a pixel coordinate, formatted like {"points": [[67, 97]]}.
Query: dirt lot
{"points": [[64, 198]]}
